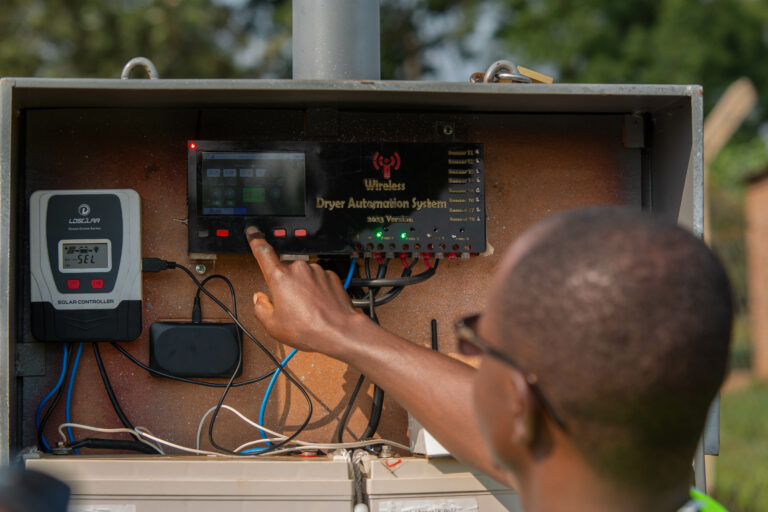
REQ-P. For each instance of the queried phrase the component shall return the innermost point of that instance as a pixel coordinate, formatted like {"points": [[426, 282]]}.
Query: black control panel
{"points": [[337, 198]]}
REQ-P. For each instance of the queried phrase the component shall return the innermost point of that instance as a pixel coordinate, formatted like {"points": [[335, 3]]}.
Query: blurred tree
{"points": [[202, 38], [410, 28], [72, 38], [711, 42]]}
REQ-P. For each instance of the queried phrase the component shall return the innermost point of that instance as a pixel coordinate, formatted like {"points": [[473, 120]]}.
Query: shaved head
{"points": [[626, 322]]}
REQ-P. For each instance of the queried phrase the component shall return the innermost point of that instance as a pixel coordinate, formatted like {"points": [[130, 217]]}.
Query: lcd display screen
{"points": [[251, 183], [85, 256]]}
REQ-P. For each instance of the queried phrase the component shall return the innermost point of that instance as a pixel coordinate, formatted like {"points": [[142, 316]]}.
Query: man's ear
{"points": [[529, 424], [524, 414]]}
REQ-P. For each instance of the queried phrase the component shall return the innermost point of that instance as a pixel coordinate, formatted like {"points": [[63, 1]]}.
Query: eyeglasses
{"points": [[471, 344]]}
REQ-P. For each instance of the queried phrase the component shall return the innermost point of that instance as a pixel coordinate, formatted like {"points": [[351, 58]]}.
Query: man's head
{"points": [[625, 323]]}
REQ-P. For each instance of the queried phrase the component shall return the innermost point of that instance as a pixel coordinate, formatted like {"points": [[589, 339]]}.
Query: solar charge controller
{"points": [[85, 265]]}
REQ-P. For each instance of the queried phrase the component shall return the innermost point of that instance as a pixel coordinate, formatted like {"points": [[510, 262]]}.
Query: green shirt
{"points": [[700, 502]]}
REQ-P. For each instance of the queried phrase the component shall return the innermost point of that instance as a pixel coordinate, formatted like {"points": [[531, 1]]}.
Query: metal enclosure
{"points": [[548, 148]]}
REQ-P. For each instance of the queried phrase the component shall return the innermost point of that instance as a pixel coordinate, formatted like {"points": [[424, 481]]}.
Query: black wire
{"points": [[229, 284], [353, 397], [221, 402], [111, 393], [398, 281], [376, 407], [369, 303], [378, 393], [345, 417], [55, 401], [381, 273], [114, 444], [108, 386], [239, 364], [388, 296], [288, 375], [184, 379]]}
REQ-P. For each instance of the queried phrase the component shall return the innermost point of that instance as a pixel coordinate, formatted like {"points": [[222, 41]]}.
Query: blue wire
{"points": [[68, 408], [263, 408], [47, 397], [350, 273]]}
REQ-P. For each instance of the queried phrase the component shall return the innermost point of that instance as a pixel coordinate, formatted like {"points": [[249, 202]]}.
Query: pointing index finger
{"points": [[263, 252]]}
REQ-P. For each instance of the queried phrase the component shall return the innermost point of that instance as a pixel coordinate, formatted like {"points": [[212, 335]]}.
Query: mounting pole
{"points": [[336, 39]]}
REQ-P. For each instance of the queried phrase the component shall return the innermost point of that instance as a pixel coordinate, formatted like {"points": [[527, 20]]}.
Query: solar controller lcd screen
{"points": [[91, 256], [269, 183]]}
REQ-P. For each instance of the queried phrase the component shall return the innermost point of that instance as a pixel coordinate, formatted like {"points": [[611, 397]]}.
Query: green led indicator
{"points": [[379, 234], [403, 235]]}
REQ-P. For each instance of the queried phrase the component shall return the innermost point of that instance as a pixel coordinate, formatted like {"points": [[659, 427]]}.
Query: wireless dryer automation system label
{"points": [[85, 265], [338, 198]]}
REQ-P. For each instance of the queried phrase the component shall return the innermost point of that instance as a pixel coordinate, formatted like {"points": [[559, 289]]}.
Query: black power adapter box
{"points": [[195, 349]]}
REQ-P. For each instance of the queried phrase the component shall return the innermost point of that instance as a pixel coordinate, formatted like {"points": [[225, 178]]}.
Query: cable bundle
{"points": [[364, 294]]}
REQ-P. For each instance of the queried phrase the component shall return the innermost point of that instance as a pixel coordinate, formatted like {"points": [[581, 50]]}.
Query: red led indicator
{"points": [[192, 145], [279, 233], [223, 233], [300, 233]]}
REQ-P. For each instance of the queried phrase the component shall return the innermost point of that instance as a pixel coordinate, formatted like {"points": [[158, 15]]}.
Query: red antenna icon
{"points": [[386, 164]]}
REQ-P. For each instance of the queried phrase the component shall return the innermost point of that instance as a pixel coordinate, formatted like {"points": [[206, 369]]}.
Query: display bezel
{"points": [[84, 241]]}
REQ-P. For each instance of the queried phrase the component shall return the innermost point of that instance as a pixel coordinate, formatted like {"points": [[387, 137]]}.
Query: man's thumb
{"points": [[263, 308]]}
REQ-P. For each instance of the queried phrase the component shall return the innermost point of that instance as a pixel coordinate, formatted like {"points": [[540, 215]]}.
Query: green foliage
{"points": [[741, 470], [737, 161], [711, 42], [72, 38], [409, 28]]}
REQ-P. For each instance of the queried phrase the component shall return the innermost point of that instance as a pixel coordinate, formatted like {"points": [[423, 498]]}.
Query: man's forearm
{"points": [[434, 388]]}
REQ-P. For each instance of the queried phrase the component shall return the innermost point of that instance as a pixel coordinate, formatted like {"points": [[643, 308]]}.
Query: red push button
{"points": [[300, 233], [97, 284], [223, 233], [279, 233], [73, 284]]}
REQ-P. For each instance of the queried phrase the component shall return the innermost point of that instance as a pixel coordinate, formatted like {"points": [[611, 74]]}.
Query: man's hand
{"points": [[309, 308]]}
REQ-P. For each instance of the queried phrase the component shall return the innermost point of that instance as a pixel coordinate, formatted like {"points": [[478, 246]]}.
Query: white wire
{"points": [[279, 437], [157, 446], [301, 444], [332, 446], [328, 446], [253, 443]]}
